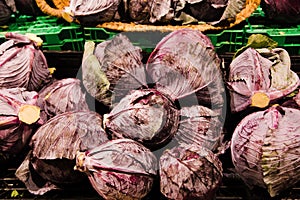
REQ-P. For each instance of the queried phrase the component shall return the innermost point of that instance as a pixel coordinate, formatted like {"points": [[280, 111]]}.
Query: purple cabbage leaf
{"points": [[91, 13], [201, 126]]}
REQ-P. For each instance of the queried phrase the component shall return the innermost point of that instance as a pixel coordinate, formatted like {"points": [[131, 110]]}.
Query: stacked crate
{"points": [[56, 34]]}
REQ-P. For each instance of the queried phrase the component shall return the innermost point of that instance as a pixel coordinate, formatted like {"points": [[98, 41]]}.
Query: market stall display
{"points": [[192, 110]]}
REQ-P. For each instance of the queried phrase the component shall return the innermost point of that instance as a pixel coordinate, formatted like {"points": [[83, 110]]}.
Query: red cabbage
{"points": [[17, 115], [146, 116], [112, 69], [199, 125], [184, 63], [119, 169], [91, 13], [258, 76], [139, 10], [5, 13], [54, 147], [282, 11], [155, 12], [265, 149], [163, 10], [189, 172], [214, 12], [206, 10], [22, 63], [61, 96]]}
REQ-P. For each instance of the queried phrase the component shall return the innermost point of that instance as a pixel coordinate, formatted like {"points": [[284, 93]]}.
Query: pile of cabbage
{"points": [[215, 12], [164, 117], [30, 95], [161, 121], [265, 143]]}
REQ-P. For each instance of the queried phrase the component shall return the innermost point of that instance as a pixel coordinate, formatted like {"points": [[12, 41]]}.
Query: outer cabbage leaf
{"points": [[189, 172], [233, 8], [146, 116], [164, 10], [201, 126]]}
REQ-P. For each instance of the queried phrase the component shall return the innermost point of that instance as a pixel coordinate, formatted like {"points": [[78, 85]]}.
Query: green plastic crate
{"points": [[258, 12], [63, 45], [54, 36], [98, 34], [55, 33], [287, 38], [49, 19], [23, 22], [50, 34], [227, 40], [145, 40], [66, 45]]}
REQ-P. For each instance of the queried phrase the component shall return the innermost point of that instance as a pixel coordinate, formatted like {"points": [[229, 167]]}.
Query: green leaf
{"points": [[257, 41], [293, 94], [14, 193]]}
